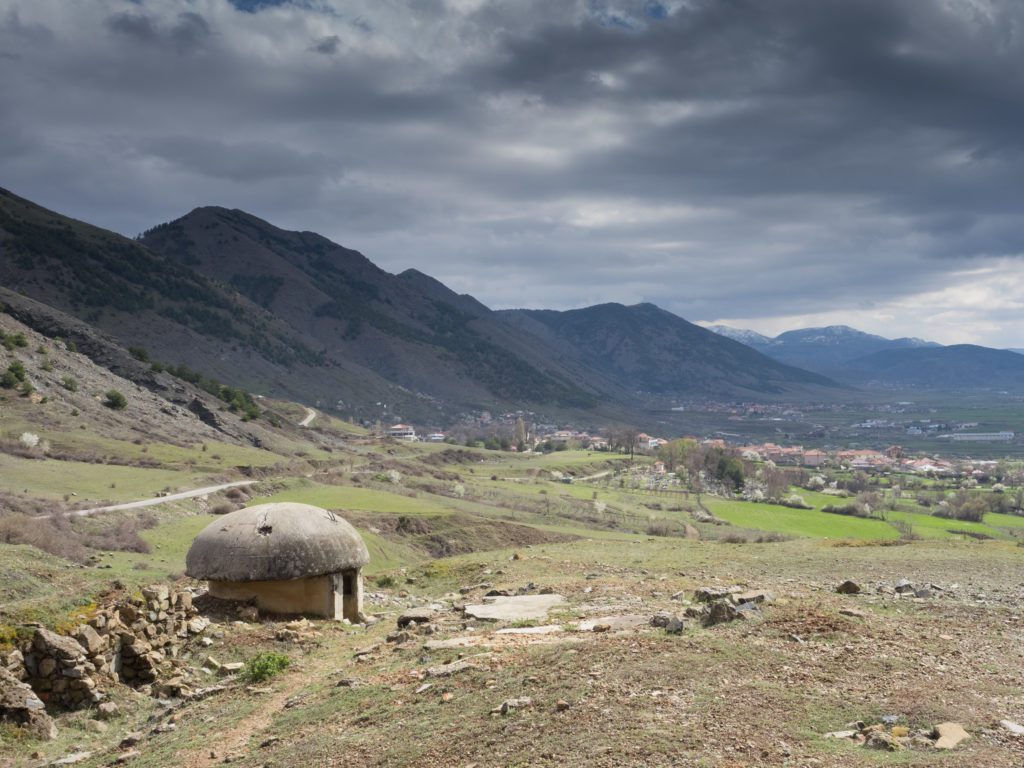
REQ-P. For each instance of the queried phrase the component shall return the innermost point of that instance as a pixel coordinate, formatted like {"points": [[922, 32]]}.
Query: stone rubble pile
{"points": [[135, 641], [20, 705], [890, 736], [719, 605]]}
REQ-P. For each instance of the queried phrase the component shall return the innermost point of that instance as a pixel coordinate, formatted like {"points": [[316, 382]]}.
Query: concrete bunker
{"points": [[285, 557]]}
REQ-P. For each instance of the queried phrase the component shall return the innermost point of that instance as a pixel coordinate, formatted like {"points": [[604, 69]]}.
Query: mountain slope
{"points": [[960, 367], [296, 316], [825, 350], [409, 329], [648, 350]]}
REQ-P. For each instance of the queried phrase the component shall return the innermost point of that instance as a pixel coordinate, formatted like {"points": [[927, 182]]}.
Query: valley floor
{"points": [[756, 692]]}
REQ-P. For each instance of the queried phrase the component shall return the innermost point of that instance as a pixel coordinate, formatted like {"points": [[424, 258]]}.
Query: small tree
{"points": [[115, 400]]}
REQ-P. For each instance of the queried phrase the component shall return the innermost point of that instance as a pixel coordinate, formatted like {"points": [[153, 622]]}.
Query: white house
{"points": [[402, 432]]}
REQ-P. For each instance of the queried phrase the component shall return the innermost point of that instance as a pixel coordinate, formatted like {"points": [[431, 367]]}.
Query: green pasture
{"points": [[352, 497], [798, 522], [50, 479]]}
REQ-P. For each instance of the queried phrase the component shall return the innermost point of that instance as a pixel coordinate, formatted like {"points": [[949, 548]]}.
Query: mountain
{"points": [[743, 336], [296, 316], [645, 349], [825, 350], [960, 367]]}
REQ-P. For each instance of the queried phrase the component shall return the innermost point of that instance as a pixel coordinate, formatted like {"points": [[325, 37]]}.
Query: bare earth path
{"points": [[161, 499], [310, 415]]}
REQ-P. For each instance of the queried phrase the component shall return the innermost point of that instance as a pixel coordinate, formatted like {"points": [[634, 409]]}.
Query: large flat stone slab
{"points": [[520, 607], [616, 623], [547, 629]]}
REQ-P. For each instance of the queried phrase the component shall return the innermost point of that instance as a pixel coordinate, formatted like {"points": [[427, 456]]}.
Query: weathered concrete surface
{"points": [[275, 542], [521, 607]]}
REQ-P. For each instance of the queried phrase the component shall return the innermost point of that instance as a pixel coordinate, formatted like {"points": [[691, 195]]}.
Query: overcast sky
{"points": [[769, 165]]}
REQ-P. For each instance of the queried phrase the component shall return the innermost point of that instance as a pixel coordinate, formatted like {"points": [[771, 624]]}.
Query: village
{"points": [[893, 459]]}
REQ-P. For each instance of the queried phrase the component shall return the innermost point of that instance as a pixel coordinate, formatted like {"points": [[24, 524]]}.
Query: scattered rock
{"points": [[880, 740], [107, 710], [231, 668], [561, 705], [74, 757], [131, 739], [755, 596], [852, 612], [96, 726], [446, 670], [711, 594], [723, 611], [903, 586], [675, 626], [124, 757], [848, 588], [948, 735], [512, 704], [416, 616], [1012, 727]]}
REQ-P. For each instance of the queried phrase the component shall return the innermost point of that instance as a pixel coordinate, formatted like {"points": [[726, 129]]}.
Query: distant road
{"points": [[161, 499], [310, 415]]}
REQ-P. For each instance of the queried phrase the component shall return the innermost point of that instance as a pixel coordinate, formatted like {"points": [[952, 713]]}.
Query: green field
{"points": [[349, 497], [798, 522], [50, 479]]}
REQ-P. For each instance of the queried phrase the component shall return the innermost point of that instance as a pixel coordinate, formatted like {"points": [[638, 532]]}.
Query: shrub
{"points": [[115, 400], [19, 340], [795, 501], [845, 509], [659, 528], [265, 665], [386, 581]]}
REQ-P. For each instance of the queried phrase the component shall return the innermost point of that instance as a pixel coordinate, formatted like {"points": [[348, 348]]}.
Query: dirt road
{"points": [[161, 499]]}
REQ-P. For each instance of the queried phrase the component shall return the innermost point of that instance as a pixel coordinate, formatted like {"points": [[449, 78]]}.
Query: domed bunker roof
{"points": [[275, 542]]}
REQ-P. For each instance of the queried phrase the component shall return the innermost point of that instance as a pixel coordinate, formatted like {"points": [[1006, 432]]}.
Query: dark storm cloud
{"points": [[724, 158], [241, 162]]}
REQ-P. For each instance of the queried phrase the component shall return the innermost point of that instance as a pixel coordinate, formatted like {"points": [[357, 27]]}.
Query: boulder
{"points": [[756, 596], [710, 594], [723, 611], [90, 640], [948, 735], [675, 626], [416, 616], [903, 586], [848, 588], [56, 646]]}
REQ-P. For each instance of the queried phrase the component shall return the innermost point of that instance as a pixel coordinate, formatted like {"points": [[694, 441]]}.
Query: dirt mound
{"points": [[453, 534]]}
